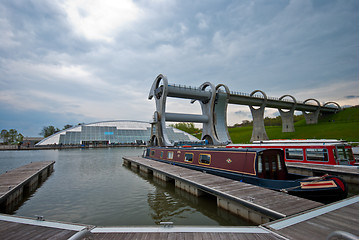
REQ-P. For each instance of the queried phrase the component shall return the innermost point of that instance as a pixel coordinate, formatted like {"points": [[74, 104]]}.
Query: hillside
{"points": [[343, 125]]}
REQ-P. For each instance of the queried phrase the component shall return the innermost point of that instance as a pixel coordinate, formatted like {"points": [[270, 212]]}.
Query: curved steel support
{"points": [[159, 120], [312, 117], [327, 103], [259, 132], [214, 110], [288, 116], [208, 131], [213, 118], [220, 115]]}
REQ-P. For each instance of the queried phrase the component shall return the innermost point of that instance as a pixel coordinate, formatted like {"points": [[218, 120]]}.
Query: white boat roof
{"points": [[294, 142]]}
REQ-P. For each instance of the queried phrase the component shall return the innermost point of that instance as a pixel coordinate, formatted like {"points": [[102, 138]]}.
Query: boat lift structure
{"points": [[214, 101]]}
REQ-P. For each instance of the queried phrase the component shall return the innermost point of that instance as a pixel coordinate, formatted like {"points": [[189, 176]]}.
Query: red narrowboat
{"points": [[328, 152], [261, 167]]}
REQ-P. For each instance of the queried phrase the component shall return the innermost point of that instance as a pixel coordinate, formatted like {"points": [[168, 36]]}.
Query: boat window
{"points": [[335, 154], [169, 155], [350, 154], [260, 165], [162, 154], [294, 154], [274, 166], [267, 173], [344, 153], [267, 166], [341, 152], [152, 152], [205, 159], [279, 162], [317, 154], [188, 157]]}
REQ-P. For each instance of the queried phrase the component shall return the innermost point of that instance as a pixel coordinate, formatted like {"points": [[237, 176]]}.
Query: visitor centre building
{"points": [[118, 132]]}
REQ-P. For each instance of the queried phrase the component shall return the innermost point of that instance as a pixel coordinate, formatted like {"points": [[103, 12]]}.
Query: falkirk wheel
{"points": [[213, 105], [214, 101]]}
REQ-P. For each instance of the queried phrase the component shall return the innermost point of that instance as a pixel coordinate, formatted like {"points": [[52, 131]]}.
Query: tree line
{"points": [[187, 127], [11, 136], [276, 121], [49, 130]]}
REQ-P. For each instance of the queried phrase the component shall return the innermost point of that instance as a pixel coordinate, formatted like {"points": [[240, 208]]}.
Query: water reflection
{"points": [[91, 186], [164, 208], [171, 204]]}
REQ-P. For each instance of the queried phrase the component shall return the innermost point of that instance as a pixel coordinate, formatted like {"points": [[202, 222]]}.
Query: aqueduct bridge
{"points": [[214, 101]]}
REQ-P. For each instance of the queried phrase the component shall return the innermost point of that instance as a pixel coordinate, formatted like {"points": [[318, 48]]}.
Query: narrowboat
{"points": [[312, 151], [262, 167]]}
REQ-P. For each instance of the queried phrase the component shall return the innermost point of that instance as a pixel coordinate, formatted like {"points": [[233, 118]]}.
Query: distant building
{"points": [[111, 132], [31, 141]]}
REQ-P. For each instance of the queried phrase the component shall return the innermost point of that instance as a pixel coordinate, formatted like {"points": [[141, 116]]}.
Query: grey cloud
{"points": [[351, 97], [274, 46]]}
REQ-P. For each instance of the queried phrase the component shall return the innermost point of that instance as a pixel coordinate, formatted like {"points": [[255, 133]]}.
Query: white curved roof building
{"points": [[111, 132]]}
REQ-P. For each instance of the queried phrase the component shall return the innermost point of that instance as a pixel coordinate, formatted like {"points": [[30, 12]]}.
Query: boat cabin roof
{"points": [[257, 150], [296, 142]]}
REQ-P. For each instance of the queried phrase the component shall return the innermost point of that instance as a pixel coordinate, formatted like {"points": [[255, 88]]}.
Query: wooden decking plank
{"points": [[185, 236], [210, 182], [127, 236], [19, 175], [319, 223], [243, 190], [232, 185], [16, 183], [195, 176], [25, 231], [331, 168], [345, 215], [276, 201], [12, 227]]}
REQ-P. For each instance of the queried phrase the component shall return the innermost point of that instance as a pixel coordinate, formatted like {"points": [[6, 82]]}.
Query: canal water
{"points": [[91, 186]]}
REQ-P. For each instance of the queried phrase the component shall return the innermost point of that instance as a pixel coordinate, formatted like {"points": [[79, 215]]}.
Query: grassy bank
{"points": [[343, 125]]}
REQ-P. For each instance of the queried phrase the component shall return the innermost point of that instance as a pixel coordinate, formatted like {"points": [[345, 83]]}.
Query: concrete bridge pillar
{"points": [[259, 132], [288, 116], [312, 117]]}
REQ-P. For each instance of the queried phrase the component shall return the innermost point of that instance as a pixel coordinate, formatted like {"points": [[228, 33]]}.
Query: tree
{"points": [[11, 136], [67, 126], [19, 138], [48, 131], [5, 136], [186, 127]]}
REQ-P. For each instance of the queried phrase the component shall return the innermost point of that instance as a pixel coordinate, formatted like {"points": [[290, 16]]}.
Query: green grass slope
{"points": [[343, 125]]}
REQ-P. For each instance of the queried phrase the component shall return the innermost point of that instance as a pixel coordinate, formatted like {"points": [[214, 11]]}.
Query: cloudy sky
{"points": [[73, 61]]}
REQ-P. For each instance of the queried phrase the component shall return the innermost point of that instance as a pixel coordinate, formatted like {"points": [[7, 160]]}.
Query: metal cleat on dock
{"points": [[39, 218], [166, 224]]}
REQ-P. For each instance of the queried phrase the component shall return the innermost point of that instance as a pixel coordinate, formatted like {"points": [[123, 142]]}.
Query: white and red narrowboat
{"points": [[261, 167], [328, 152]]}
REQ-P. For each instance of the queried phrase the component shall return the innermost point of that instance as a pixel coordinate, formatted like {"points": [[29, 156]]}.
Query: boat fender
{"points": [[338, 181]]}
